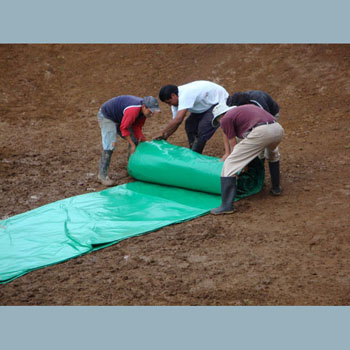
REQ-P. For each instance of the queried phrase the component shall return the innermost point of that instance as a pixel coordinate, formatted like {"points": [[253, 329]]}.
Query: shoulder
{"points": [[132, 110]]}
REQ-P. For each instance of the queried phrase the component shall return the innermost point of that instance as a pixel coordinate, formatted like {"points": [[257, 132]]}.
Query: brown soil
{"points": [[287, 250]]}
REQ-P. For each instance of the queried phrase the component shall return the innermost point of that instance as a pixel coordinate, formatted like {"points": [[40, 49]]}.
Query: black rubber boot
{"points": [[198, 145], [274, 168], [104, 166], [228, 194]]}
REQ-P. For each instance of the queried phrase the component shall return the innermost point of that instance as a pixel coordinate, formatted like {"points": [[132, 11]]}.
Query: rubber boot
{"points": [[104, 166], [228, 194], [198, 145], [274, 168]]}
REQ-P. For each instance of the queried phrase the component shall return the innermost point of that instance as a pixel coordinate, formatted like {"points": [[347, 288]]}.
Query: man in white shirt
{"points": [[198, 98]]}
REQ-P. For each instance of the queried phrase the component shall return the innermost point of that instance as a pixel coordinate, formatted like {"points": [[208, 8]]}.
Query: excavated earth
{"points": [[287, 250]]}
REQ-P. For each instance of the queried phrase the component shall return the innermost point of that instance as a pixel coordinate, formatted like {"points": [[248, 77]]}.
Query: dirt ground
{"points": [[287, 250]]}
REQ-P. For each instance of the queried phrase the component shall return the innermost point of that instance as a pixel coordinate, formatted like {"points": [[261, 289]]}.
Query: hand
{"points": [[132, 148], [159, 137], [244, 169], [223, 158]]}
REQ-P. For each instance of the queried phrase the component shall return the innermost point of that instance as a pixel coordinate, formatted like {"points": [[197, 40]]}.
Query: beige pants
{"points": [[265, 154], [261, 137]]}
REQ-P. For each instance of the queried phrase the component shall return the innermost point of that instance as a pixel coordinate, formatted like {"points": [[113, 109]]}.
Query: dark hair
{"points": [[238, 99], [166, 91]]}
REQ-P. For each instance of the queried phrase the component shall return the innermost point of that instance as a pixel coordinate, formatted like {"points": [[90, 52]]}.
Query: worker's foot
{"points": [[276, 191], [106, 181], [221, 210]]}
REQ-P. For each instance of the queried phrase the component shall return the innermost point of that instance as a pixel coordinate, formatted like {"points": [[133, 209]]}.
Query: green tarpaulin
{"points": [[175, 185]]}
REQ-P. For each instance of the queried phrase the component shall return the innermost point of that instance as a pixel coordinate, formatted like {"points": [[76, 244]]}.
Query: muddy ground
{"points": [[287, 250]]}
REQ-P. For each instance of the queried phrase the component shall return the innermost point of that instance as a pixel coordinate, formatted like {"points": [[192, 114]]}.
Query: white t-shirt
{"points": [[199, 96]]}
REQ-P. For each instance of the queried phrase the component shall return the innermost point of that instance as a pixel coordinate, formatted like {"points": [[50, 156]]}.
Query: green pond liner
{"points": [[174, 184]]}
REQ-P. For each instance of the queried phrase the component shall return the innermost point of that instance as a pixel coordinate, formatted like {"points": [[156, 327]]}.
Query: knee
{"points": [[273, 156]]}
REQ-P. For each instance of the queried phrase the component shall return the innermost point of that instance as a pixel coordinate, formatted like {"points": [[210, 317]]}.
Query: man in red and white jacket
{"points": [[124, 115]]}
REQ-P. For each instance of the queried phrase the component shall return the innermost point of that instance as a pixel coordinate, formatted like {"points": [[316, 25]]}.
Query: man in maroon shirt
{"points": [[258, 130]]}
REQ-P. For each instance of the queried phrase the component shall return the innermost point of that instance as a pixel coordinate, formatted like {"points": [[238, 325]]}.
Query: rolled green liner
{"points": [[181, 185], [163, 163]]}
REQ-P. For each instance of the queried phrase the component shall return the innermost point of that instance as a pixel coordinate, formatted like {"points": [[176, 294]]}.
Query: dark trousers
{"points": [[198, 126]]}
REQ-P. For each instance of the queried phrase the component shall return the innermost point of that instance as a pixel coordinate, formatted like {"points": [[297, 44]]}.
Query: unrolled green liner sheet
{"points": [[175, 184]]}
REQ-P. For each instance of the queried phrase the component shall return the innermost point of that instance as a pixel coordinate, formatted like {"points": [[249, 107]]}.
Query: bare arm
{"points": [[172, 126], [227, 147], [131, 143], [232, 142]]}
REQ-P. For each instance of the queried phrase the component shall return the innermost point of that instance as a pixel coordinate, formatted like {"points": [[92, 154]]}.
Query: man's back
{"points": [[200, 95]]}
